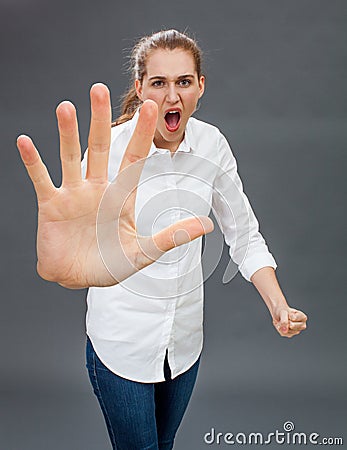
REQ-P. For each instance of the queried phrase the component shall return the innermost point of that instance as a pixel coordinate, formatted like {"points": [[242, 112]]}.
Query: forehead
{"points": [[171, 63]]}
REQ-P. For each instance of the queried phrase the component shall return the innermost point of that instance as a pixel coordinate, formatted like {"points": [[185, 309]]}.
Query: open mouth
{"points": [[172, 120]]}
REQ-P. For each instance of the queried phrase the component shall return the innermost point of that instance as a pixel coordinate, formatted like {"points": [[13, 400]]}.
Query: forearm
{"points": [[266, 283]]}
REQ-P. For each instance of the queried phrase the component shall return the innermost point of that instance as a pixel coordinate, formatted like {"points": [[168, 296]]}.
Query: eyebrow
{"points": [[160, 77]]}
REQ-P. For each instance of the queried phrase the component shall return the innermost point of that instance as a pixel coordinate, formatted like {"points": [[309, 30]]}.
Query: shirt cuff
{"points": [[250, 266]]}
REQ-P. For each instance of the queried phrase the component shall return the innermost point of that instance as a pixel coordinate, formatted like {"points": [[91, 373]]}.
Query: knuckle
{"points": [[99, 147], [133, 157], [71, 157]]}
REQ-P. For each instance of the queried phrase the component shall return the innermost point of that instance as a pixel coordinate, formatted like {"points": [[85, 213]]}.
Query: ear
{"points": [[201, 86], [138, 88]]}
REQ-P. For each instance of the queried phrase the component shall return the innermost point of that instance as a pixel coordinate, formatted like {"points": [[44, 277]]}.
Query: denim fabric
{"points": [[140, 416]]}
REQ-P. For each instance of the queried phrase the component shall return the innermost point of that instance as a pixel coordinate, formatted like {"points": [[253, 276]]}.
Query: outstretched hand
{"points": [[86, 228]]}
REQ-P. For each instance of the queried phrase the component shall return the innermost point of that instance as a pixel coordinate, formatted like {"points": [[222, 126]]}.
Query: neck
{"points": [[162, 143]]}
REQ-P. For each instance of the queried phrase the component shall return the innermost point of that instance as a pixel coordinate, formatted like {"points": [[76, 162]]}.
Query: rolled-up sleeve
{"points": [[236, 218]]}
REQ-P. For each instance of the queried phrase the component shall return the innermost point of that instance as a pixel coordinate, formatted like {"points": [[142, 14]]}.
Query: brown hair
{"points": [[165, 39]]}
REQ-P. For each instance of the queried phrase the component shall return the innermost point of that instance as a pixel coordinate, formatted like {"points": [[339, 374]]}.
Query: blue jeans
{"points": [[140, 416]]}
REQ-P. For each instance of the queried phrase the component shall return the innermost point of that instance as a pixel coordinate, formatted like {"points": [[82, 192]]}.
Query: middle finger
{"points": [[100, 133]]}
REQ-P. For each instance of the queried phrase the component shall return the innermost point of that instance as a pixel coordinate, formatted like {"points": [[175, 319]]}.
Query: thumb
{"points": [[284, 321], [177, 234], [183, 232]]}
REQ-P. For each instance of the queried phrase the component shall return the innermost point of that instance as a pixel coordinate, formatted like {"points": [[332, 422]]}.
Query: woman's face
{"points": [[172, 82]]}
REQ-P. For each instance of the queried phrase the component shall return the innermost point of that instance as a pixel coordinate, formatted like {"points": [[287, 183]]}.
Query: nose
{"points": [[172, 94]]}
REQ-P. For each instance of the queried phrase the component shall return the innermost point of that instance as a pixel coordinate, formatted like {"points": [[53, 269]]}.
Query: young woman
{"points": [[144, 331]]}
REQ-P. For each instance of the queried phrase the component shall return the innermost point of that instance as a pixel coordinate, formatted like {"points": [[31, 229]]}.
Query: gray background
{"points": [[276, 87]]}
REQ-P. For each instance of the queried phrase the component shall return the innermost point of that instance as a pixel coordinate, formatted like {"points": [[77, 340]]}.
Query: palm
{"points": [[86, 229], [66, 240]]}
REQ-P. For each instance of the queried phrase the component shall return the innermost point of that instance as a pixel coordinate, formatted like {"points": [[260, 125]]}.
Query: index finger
{"points": [[142, 137]]}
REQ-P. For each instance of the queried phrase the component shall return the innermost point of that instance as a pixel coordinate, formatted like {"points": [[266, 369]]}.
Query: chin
{"points": [[171, 136]]}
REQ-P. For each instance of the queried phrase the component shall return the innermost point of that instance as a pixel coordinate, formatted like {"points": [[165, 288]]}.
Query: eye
{"points": [[158, 83], [185, 82]]}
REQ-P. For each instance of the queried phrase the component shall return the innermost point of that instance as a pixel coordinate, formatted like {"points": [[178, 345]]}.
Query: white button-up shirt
{"points": [[159, 308]]}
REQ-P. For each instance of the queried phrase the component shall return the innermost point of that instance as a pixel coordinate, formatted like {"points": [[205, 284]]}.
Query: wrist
{"points": [[265, 281]]}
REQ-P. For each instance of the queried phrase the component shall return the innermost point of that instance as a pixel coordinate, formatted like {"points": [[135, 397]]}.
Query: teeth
{"points": [[172, 112]]}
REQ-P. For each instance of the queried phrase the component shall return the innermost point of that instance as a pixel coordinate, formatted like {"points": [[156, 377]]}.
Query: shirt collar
{"points": [[185, 145]]}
